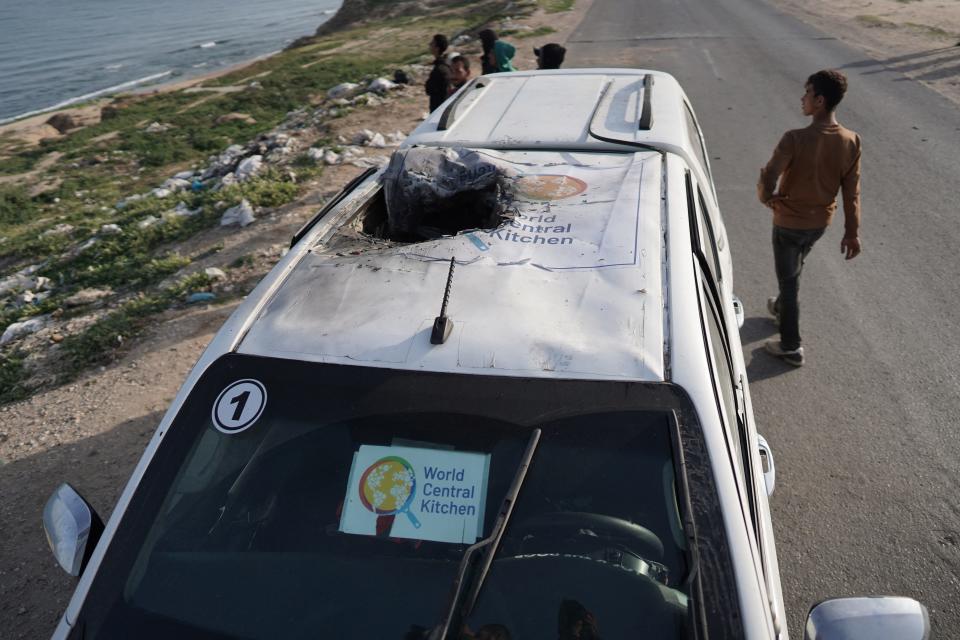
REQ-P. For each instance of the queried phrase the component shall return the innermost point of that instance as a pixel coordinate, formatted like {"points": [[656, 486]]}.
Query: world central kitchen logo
{"points": [[441, 494], [389, 487]]}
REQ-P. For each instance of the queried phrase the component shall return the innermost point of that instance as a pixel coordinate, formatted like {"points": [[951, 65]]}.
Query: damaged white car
{"points": [[495, 390]]}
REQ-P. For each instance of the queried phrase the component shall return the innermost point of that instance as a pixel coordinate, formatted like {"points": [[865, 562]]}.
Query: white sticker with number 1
{"points": [[239, 406]]}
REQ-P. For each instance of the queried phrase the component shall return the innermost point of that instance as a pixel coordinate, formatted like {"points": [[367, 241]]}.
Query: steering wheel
{"points": [[607, 529]]}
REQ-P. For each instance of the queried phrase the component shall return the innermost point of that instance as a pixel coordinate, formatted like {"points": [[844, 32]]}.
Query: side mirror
{"points": [[72, 527], [876, 618]]}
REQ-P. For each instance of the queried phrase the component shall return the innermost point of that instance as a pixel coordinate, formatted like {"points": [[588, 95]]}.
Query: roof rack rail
{"points": [[646, 116], [449, 114], [596, 111]]}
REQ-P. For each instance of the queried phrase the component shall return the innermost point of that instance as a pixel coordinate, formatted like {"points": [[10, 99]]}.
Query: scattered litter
{"points": [[156, 127], [183, 211], [342, 90], [148, 222], [161, 192], [215, 274], [241, 214], [80, 248], [110, 230], [86, 296], [44, 284], [16, 281], [396, 138], [227, 180], [200, 296], [249, 167], [183, 175], [330, 158], [59, 230], [315, 154], [123, 203], [175, 184], [23, 328], [381, 85]]}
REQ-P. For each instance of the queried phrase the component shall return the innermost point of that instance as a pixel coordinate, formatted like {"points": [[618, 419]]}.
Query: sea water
{"points": [[57, 52]]}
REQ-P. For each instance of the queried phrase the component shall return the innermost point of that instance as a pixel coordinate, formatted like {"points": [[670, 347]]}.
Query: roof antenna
{"points": [[442, 325]]}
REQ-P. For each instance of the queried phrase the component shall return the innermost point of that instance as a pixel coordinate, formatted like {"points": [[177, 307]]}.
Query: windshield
{"points": [[294, 500]]}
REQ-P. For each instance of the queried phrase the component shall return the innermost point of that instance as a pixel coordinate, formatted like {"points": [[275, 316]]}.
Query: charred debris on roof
{"points": [[430, 192]]}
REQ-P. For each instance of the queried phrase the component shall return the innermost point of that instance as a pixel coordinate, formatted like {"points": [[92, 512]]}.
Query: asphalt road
{"points": [[866, 436]]}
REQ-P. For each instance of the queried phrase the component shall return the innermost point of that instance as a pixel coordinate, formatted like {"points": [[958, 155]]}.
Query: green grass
{"points": [[556, 6], [103, 341], [16, 205]]}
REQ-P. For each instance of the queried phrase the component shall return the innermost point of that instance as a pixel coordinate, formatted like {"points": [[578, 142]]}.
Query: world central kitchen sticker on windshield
{"points": [[421, 494]]}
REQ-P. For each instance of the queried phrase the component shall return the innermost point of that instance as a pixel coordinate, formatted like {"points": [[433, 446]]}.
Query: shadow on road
{"points": [[33, 589], [758, 328], [761, 365], [925, 65]]}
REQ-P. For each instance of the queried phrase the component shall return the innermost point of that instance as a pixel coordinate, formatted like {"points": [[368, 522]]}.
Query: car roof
{"points": [[571, 288], [587, 109]]}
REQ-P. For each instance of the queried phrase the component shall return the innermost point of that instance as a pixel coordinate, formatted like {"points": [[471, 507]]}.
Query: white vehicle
{"points": [[568, 449]]}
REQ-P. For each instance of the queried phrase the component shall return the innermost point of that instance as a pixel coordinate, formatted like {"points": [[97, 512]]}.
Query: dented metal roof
{"points": [[570, 287]]}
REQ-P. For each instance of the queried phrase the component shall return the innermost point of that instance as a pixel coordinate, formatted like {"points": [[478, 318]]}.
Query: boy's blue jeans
{"points": [[790, 248]]}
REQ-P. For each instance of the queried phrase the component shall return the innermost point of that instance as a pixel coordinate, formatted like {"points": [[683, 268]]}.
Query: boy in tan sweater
{"points": [[812, 165]]}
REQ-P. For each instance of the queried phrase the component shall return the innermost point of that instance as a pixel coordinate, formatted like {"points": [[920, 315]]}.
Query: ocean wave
{"points": [[207, 45], [113, 67], [91, 95]]}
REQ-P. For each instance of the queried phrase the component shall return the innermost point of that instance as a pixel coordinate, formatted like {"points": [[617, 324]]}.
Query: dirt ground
{"points": [[918, 38], [92, 432]]}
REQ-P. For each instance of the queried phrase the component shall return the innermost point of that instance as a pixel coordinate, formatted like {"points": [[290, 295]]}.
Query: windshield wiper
{"points": [[466, 586]]}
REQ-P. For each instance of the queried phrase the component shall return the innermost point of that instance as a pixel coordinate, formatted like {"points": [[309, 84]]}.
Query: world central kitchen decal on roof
{"points": [[420, 494], [586, 217]]}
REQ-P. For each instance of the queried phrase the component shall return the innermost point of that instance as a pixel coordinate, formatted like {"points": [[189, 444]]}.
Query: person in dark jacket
{"points": [[438, 83], [497, 54]]}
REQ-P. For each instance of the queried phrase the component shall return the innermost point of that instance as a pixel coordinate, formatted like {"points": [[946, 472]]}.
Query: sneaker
{"points": [[790, 356], [772, 310]]}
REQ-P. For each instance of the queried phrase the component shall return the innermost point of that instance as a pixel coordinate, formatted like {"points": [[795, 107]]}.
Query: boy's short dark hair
{"points": [[440, 41], [464, 60], [831, 84], [551, 55]]}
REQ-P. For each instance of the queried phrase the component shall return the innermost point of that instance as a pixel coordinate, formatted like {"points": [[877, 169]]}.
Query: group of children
{"points": [[452, 71]]}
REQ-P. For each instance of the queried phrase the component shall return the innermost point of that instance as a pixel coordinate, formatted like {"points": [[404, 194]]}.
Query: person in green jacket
{"points": [[497, 54]]}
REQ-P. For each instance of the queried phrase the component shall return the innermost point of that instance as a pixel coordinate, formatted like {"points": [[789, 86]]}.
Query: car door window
{"points": [[730, 388]]}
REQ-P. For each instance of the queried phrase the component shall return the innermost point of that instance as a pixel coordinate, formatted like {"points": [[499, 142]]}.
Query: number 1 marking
{"points": [[241, 402]]}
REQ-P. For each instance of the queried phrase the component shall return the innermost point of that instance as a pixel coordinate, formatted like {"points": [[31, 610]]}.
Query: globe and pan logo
{"points": [[549, 187], [388, 487]]}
